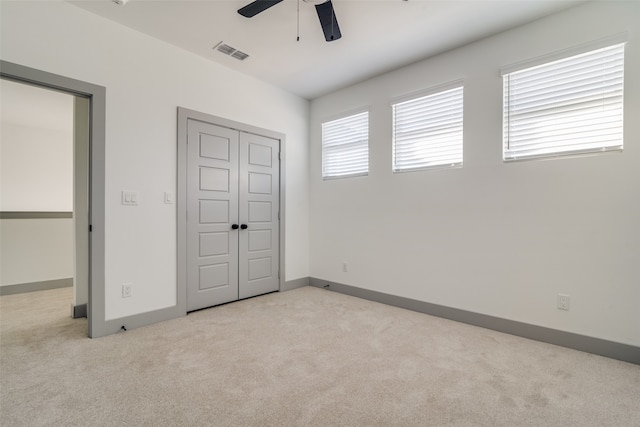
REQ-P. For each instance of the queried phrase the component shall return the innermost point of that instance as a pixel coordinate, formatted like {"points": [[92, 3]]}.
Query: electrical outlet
{"points": [[563, 302], [344, 267], [126, 290]]}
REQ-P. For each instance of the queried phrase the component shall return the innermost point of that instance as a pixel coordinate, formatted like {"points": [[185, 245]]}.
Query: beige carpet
{"points": [[298, 358]]}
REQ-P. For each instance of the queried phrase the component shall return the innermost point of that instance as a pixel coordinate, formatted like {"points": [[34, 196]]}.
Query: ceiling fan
{"points": [[324, 8]]}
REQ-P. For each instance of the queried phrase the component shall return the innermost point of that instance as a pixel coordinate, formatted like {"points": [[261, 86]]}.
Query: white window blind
{"points": [[428, 131], [345, 146], [573, 105]]}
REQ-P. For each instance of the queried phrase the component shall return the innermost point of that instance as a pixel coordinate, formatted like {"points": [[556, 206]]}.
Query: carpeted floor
{"points": [[303, 357]]}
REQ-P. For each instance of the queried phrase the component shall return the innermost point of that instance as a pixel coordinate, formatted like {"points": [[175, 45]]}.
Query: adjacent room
{"points": [[376, 212]]}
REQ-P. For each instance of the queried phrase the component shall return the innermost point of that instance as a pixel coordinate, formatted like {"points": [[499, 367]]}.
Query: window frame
{"points": [[339, 118], [417, 96], [579, 52]]}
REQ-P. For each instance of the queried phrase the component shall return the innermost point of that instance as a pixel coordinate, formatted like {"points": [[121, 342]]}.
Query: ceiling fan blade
{"points": [[254, 8], [328, 21]]}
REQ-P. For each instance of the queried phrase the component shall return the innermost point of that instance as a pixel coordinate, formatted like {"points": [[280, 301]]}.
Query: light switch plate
{"points": [[130, 198], [168, 197]]}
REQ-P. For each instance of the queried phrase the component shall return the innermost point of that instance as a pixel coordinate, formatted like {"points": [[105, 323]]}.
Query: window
{"points": [[345, 146], [572, 105], [427, 131]]}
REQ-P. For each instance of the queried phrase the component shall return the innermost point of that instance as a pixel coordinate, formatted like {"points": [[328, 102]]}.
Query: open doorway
{"points": [[88, 165], [44, 165]]}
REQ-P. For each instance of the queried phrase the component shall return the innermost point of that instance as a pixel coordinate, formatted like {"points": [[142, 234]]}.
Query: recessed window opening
{"points": [[569, 106], [345, 146], [428, 131]]}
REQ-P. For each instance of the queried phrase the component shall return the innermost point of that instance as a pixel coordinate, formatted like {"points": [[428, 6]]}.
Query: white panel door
{"points": [[232, 215], [259, 202], [212, 208]]}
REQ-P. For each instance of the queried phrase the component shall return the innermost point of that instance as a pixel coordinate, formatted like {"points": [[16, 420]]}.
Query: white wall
{"points": [[36, 174], [36, 167], [146, 80], [35, 250], [493, 238]]}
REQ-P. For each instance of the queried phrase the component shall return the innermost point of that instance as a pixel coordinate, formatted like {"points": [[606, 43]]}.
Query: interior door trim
{"points": [[184, 115], [97, 325]]}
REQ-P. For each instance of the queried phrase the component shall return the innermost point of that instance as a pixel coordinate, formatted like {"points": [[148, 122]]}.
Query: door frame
{"points": [[96, 324], [184, 115]]}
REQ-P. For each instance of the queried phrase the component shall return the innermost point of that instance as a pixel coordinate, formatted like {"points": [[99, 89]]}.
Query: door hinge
{"points": [[278, 215], [279, 155], [90, 228], [278, 275]]}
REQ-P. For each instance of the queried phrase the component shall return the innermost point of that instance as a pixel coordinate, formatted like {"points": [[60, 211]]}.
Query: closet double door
{"points": [[233, 184]]}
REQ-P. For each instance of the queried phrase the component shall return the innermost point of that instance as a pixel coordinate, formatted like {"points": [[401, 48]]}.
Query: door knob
{"points": [[234, 226], [244, 226]]}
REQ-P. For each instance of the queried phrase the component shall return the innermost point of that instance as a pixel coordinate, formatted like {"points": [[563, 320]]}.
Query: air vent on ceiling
{"points": [[231, 51], [239, 55]]}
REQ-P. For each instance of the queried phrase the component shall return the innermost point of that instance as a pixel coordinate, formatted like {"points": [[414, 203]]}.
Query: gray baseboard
{"points": [[36, 286], [149, 318], [78, 311], [611, 349], [293, 284], [139, 320]]}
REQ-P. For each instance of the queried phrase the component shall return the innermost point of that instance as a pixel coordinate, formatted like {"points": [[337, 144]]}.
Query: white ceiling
{"points": [[377, 35]]}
